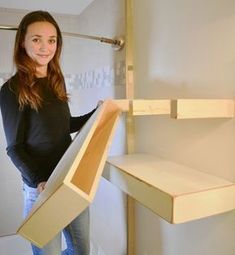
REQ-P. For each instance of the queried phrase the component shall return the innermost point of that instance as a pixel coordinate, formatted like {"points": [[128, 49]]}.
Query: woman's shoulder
{"points": [[8, 91], [10, 85]]}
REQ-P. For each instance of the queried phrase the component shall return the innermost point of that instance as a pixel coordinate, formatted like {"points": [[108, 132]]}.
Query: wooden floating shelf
{"points": [[176, 193], [73, 183], [180, 108]]}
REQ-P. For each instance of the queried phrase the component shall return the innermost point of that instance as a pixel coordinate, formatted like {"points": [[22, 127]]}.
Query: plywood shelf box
{"points": [[176, 193], [72, 185]]}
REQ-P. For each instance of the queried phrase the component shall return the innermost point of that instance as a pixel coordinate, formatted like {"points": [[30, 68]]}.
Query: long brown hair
{"points": [[28, 92]]}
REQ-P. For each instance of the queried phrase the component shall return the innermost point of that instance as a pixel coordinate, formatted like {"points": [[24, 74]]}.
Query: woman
{"points": [[37, 120]]}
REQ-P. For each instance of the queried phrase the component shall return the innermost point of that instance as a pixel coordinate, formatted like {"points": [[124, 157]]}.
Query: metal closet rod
{"points": [[117, 43]]}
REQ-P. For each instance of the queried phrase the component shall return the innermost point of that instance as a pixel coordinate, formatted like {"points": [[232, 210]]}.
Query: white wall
{"points": [[186, 49]]}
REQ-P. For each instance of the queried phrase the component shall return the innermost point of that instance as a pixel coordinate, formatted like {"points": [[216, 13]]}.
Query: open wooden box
{"points": [[73, 184]]}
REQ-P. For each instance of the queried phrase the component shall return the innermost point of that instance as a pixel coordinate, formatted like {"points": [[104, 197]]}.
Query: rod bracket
{"points": [[118, 43]]}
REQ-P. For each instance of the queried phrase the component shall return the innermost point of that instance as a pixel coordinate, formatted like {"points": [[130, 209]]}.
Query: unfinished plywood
{"points": [[123, 104], [151, 107], [202, 108], [72, 186], [174, 192]]}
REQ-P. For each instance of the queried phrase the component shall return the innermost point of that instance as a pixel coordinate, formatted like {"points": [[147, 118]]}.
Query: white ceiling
{"points": [[72, 7]]}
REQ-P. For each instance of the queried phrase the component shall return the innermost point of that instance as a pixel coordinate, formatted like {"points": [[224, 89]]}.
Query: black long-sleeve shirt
{"points": [[36, 140]]}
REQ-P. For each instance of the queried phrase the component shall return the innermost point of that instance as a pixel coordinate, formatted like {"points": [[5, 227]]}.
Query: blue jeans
{"points": [[76, 233]]}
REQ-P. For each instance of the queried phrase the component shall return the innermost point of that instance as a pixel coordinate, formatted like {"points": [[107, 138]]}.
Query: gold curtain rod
{"points": [[117, 43]]}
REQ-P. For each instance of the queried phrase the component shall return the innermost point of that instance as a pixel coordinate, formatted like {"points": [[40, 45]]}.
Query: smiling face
{"points": [[40, 44]]}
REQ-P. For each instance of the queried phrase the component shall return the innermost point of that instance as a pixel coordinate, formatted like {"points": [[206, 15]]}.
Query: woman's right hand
{"points": [[100, 102]]}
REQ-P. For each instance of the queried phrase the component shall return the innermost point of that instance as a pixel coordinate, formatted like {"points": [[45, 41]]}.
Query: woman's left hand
{"points": [[41, 186]]}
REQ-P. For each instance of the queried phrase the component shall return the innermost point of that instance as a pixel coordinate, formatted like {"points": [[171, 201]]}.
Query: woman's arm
{"points": [[14, 127], [76, 123]]}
